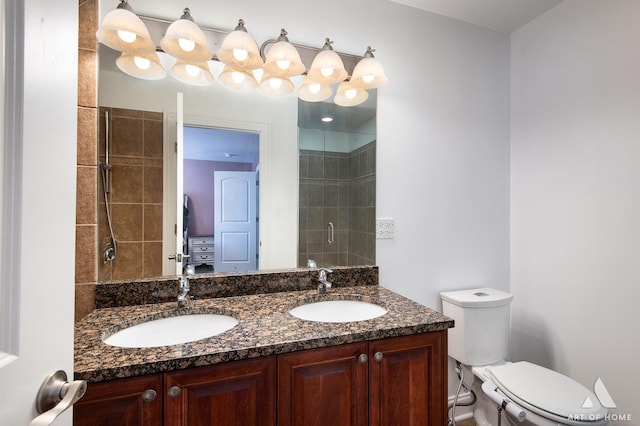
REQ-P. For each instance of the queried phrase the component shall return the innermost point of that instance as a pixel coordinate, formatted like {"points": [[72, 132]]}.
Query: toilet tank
{"points": [[482, 323]]}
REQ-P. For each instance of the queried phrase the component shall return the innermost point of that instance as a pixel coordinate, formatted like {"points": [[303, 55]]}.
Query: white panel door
{"points": [[39, 201], [235, 224]]}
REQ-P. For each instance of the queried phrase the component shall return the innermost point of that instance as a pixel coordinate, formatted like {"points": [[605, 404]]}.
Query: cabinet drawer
{"points": [[202, 257], [202, 249], [201, 241]]}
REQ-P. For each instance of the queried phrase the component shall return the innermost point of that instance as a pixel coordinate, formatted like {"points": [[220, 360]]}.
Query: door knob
{"points": [[55, 396]]}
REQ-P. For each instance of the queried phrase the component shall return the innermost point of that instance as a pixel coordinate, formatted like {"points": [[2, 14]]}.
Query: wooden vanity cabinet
{"points": [[238, 393], [397, 381], [135, 401]]}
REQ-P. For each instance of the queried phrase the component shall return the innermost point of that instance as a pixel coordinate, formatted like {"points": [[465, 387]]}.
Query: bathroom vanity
{"points": [[271, 368]]}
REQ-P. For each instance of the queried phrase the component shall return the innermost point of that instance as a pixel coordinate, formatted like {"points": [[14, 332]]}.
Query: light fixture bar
{"points": [[157, 28]]}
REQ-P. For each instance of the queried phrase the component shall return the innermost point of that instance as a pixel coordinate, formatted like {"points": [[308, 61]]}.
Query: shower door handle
{"points": [[330, 233]]}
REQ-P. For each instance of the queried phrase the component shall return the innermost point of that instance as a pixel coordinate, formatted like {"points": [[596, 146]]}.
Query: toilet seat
{"points": [[546, 392]]}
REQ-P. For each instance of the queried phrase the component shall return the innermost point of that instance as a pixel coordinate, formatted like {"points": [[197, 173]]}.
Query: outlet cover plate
{"points": [[384, 228]]}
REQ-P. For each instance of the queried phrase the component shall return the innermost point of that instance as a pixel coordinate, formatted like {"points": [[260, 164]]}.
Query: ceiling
{"points": [[502, 15]]}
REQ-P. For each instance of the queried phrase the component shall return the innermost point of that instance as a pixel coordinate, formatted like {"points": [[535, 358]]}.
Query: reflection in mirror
{"points": [[221, 171], [337, 183], [140, 174]]}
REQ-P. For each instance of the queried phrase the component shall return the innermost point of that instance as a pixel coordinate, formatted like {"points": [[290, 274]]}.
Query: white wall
{"points": [[575, 196]]}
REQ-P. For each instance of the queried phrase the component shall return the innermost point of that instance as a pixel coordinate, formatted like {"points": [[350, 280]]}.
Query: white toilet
{"points": [[534, 395]]}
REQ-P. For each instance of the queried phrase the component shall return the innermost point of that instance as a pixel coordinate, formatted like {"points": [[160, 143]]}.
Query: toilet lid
{"points": [[546, 392]]}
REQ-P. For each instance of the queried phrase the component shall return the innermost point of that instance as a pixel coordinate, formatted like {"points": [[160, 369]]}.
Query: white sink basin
{"points": [[171, 331], [338, 311]]}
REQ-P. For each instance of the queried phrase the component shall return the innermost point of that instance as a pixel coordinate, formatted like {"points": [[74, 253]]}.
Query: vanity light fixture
{"points": [[145, 66], [347, 95], [271, 68], [239, 50], [327, 67], [368, 73], [194, 73], [312, 91], [124, 31], [327, 119], [283, 60], [273, 85], [237, 79], [184, 40]]}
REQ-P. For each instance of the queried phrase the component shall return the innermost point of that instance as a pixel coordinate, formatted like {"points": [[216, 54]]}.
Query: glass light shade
{"points": [[123, 31], [347, 95], [327, 68], [146, 66], [272, 85], [237, 79], [239, 50], [193, 73], [185, 40], [312, 91], [283, 60], [368, 74]]}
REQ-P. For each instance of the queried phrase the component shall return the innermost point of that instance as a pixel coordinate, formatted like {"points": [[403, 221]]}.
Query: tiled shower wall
{"points": [[337, 188], [135, 193]]}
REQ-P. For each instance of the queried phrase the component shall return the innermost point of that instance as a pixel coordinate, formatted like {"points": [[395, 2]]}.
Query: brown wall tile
{"points": [[152, 259], [87, 136], [87, 78], [153, 143], [153, 185], [126, 136], [88, 24], [86, 267], [127, 222], [86, 195], [152, 222], [85, 300], [128, 262]]}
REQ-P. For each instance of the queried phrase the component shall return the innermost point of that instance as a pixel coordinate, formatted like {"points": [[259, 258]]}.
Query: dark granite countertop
{"points": [[265, 328]]}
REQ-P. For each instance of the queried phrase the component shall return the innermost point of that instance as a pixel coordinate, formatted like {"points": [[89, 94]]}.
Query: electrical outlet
{"points": [[384, 228]]}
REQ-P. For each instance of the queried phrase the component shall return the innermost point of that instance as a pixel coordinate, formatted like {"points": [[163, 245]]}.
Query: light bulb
{"points": [[326, 71], [368, 78], [350, 93], [326, 119], [275, 83], [192, 70], [238, 77], [186, 44], [127, 36], [240, 54], [142, 63], [283, 64], [314, 88]]}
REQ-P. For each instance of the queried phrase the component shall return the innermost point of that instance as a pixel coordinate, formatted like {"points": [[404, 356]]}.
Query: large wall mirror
{"points": [[278, 140]]}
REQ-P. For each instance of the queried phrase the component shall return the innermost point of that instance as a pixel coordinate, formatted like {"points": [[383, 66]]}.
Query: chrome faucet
{"points": [[324, 282], [189, 271]]}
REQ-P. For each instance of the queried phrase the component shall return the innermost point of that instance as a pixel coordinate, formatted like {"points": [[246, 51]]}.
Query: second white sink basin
{"points": [[338, 311], [171, 331]]}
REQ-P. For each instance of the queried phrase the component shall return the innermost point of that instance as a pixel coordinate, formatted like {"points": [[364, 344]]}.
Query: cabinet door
{"points": [[321, 387], [238, 393], [407, 380], [126, 402]]}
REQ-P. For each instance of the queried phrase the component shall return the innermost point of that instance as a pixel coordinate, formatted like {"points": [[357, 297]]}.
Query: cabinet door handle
{"points": [[149, 395], [378, 356], [363, 358], [174, 392]]}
